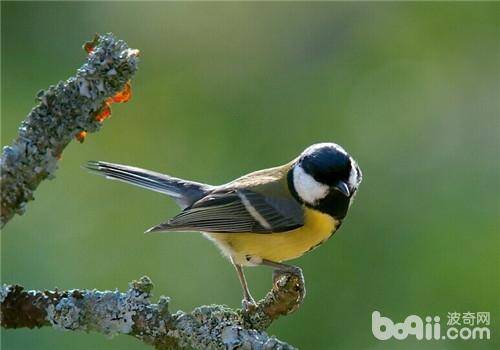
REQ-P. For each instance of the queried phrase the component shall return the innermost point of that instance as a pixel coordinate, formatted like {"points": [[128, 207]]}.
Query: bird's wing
{"points": [[238, 210]]}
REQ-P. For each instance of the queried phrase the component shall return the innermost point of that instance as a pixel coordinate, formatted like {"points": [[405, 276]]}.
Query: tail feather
{"points": [[183, 192]]}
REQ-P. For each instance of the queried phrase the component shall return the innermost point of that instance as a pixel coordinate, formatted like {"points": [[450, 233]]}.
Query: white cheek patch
{"points": [[308, 189]]}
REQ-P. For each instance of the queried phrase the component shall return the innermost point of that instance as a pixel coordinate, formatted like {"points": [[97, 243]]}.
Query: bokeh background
{"points": [[411, 90]]}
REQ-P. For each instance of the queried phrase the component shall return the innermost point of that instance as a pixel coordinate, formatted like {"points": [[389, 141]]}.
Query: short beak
{"points": [[342, 188]]}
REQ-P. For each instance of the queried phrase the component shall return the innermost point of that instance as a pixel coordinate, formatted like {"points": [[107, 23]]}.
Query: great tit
{"points": [[263, 218]]}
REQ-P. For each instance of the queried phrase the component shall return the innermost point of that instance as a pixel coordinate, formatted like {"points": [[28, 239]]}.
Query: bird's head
{"points": [[325, 177]]}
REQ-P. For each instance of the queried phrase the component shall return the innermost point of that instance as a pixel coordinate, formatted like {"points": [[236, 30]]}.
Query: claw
{"points": [[276, 276], [249, 305], [291, 271]]}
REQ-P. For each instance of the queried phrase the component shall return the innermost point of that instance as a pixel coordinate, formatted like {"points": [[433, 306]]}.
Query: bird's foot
{"points": [[249, 304], [292, 271]]}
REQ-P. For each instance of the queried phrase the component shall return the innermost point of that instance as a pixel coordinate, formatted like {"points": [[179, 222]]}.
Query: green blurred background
{"points": [[410, 90]]}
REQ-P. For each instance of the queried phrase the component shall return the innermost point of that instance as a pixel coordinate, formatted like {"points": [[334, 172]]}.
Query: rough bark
{"points": [[132, 313], [63, 112]]}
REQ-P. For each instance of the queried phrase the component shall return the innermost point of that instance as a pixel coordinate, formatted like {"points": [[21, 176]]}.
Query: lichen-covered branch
{"points": [[64, 111], [132, 313], [71, 109]]}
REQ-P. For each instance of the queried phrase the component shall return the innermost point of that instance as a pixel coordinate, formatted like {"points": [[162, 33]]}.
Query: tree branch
{"points": [[68, 109], [132, 313]]}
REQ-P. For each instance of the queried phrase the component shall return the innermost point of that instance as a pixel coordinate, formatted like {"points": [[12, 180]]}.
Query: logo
{"points": [[465, 326]]}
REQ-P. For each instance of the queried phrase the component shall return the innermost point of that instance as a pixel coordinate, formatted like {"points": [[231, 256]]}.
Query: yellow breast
{"points": [[248, 248]]}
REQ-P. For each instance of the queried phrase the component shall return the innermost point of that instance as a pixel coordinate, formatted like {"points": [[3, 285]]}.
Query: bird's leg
{"points": [[280, 268], [248, 302]]}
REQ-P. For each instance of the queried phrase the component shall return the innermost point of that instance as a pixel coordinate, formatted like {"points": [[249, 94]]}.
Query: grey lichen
{"points": [[4, 291], [63, 111], [109, 312], [132, 313], [239, 338], [219, 327]]}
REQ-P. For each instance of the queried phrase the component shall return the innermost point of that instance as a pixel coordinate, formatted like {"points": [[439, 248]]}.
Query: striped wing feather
{"points": [[238, 210]]}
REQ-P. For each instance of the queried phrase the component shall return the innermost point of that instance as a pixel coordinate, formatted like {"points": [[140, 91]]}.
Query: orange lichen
{"points": [[80, 137], [121, 97], [124, 95], [90, 45], [104, 113]]}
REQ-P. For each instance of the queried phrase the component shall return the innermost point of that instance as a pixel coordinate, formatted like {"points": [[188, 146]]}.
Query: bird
{"points": [[263, 218]]}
